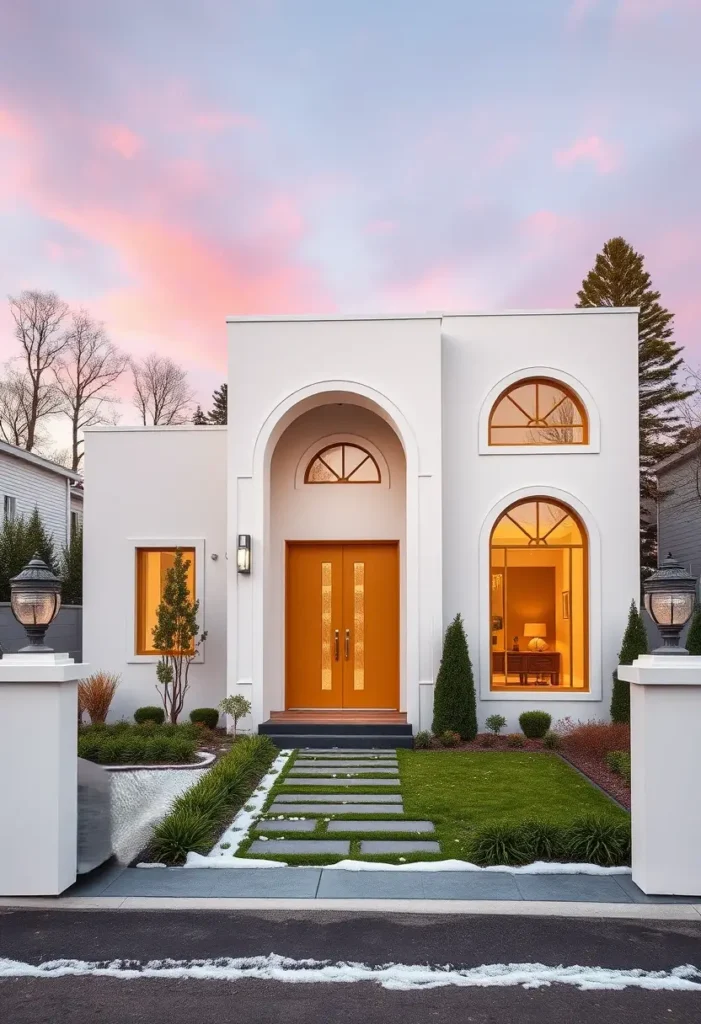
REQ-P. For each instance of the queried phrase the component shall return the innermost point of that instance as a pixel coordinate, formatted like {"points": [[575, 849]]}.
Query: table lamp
{"points": [[538, 631]]}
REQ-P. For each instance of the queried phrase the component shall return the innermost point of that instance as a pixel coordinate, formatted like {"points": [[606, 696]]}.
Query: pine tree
{"points": [[454, 702], [633, 645], [693, 637], [71, 569], [39, 541], [199, 418], [220, 399], [619, 278]]}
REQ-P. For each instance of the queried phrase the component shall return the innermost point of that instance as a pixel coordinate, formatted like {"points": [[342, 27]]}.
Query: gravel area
{"points": [[140, 800]]}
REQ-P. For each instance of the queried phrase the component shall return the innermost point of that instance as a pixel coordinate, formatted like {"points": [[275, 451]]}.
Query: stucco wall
{"points": [[33, 486], [153, 485]]}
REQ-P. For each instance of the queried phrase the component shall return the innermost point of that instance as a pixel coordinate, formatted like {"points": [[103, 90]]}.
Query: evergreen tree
{"points": [[633, 645], [619, 278], [71, 569], [220, 399], [39, 541], [20, 539], [175, 636], [693, 637], [454, 702], [199, 418]]}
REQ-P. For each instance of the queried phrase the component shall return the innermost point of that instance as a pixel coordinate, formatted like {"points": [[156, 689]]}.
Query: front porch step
{"points": [[334, 728], [325, 740]]}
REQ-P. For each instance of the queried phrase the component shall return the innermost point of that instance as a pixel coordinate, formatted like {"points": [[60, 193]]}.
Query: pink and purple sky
{"points": [[168, 162]]}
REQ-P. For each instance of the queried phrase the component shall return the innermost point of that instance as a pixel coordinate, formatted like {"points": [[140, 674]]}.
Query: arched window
{"points": [[538, 410], [539, 599], [343, 464]]}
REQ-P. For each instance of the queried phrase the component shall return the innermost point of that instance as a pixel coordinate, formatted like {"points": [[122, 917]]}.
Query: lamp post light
{"points": [[35, 598], [670, 595]]}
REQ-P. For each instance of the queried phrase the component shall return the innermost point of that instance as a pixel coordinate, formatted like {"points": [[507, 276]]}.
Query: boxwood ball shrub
{"points": [[205, 716], [535, 724], [422, 740], [150, 714]]}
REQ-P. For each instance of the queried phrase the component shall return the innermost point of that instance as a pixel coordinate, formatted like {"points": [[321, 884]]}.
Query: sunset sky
{"points": [[169, 162]]}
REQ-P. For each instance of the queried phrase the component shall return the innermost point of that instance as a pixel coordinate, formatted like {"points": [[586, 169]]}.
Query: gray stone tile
{"points": [[380, 826], [345, 751], [162, 882], [284, 883], [306, 781], [301, 846], [348, 808], [285, 826], [638, 896], [468, 885], [332, 772], [391, 885], [332, 798], [367, 765], [399, 846], [95, 882], [572, 888]]}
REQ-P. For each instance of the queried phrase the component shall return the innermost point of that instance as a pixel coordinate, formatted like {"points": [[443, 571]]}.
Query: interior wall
{"points": [[530, 597], [330, 512]]}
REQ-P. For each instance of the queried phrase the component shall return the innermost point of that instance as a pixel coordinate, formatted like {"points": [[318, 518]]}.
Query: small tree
{"points": [[174, 636], [693, 637], [71, 569], [20, 540], [40, 541], [633, 645], [454, 703], [236, 707]]}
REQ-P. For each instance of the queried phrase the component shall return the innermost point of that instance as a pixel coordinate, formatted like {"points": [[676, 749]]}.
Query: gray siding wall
{"points": [[64, 634], [679, 511], [30, 486]]}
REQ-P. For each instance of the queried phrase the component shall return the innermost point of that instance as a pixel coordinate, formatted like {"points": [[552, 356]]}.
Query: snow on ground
{"points": [[139, 801], [403, 977], [539, 867]]}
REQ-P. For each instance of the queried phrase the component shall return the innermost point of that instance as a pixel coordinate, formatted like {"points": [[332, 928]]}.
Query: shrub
{"points": [[603, 841], [497, 843], [633, 645], [594, 739], [422, 740], [693, 637], [552, 740], [95, 694], [205, 716], [71, 569], [535, 724], [487, 739], [134, 745], [495, 723], [545, 840], [449, 738], [150, 714], [454, 704], [515, 739], [197, 816], [236, 707], [619, 762]]}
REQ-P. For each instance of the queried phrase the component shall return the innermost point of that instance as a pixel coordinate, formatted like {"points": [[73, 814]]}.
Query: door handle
{"points": [[347, 644], [335, 643]]}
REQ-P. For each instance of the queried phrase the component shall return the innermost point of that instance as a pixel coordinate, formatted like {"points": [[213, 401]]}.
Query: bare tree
{"points": [[84, 374], [161, 391], [15, 406], [39, 318]]}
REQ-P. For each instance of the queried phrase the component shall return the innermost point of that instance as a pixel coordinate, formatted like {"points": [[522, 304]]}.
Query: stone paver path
{"points": [[359, 816]]}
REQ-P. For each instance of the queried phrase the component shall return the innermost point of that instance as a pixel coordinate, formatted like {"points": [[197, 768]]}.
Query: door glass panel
{"points": [[326, 632], [359, 625]]}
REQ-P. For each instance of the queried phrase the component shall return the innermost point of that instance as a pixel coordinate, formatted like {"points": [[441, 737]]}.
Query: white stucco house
{"points": [[388, 472]]}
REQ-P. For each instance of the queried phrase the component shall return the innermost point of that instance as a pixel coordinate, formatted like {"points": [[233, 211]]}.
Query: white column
{"points": [[38, 768], [665, 727]]}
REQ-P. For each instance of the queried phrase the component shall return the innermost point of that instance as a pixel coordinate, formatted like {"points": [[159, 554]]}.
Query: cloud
{"points": [[605, 156], [121, 139]]}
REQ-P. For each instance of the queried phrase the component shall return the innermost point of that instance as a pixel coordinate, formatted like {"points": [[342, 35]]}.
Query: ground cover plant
{"points": [[123, 744]]}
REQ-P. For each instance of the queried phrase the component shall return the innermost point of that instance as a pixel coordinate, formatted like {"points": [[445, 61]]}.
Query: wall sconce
{"points": [[243, 554]]}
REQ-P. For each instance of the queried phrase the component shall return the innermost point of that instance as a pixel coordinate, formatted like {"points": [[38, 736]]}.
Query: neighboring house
{"points": [[28, 481], [388, 472], [76, 522], [679, 507]]}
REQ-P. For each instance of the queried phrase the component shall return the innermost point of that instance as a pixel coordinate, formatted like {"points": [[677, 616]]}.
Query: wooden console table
{"points": [[525, 663]]}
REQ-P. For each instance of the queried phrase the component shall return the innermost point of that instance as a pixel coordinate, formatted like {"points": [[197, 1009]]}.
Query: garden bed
{"points": [[127, 745]]}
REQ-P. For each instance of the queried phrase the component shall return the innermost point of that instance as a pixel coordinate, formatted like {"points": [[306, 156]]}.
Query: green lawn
{"points": [[461, 791]]}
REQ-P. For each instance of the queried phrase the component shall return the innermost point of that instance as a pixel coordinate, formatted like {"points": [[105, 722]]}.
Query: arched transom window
{"points": [[343, 464], [538, 411], [539, 599]]}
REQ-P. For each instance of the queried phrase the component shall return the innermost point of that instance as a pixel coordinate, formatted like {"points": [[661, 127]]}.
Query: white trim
{"points": [[595, 601], [433, 315], [582, 392], [356, 439], [131, 546], [126, 429]]}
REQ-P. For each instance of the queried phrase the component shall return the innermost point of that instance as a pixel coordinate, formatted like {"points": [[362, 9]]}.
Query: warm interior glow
{"points": [[539, 600], [342, 464], [538, 411], [151, 567]]}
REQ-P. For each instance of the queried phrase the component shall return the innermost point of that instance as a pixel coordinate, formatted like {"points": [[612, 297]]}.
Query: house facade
{"points": [[377, 476], [29, 481]]}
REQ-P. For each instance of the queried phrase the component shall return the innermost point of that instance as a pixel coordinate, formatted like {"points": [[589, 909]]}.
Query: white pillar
{"points": [[665, 739], [38, 768]]}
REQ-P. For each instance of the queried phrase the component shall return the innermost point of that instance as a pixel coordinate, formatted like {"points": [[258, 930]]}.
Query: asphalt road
{"points": [[37, 936]]}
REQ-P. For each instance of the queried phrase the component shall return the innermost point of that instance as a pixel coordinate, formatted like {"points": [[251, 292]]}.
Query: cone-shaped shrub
{"points": [[693, 637], [454, 703], [634, 644]]}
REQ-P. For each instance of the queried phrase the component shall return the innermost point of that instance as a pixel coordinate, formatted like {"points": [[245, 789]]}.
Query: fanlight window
{"points": [[538, 411], [343, 464]]}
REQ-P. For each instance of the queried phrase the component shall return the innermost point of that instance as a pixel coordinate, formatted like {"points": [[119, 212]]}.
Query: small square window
{"points": [[9, 507], [152, 565]]}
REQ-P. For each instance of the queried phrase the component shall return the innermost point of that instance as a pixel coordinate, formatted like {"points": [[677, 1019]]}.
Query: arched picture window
{"points": [[343, 464], [538, 410], [539, 599]]}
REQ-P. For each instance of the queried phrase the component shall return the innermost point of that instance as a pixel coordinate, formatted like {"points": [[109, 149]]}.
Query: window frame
{"points": [[133, 544], [567, 393], [9, 503], [343, 444]]}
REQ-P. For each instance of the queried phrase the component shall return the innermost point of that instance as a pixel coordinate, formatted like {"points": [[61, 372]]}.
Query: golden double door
{"points": [[342, 626]]}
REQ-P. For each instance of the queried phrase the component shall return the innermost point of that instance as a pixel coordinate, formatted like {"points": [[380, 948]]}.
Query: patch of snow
{"points": [[196, 860], [397, 977], [155, 864], [539, 867]]}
